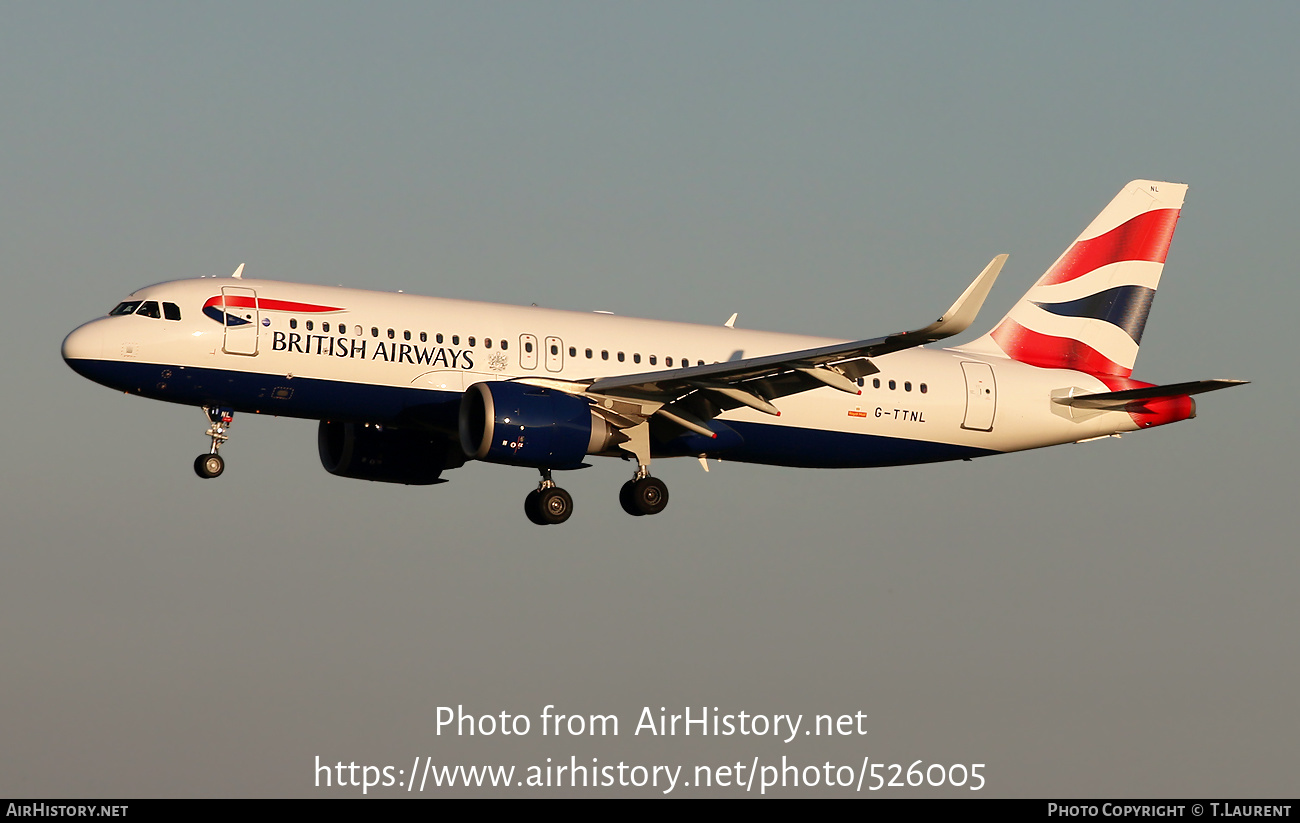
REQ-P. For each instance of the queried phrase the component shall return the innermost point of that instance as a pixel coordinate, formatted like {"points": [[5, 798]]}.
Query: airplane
{"points": [[408, 387]]}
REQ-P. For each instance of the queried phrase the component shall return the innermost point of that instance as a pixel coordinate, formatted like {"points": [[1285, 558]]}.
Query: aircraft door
{"points": [[242, 320], [527, 351], [981, 396], [554, 354]]}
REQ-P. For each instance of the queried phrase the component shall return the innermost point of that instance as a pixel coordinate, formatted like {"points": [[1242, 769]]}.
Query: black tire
{"points": [[208, 466], [626, 494], [532, 508], [554, 506], [649, 495]]}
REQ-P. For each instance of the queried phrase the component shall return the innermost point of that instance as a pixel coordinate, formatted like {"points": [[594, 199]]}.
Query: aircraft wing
{"points": [[689, 396]]}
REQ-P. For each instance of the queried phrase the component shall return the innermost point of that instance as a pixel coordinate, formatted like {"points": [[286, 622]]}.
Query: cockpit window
{"points": [[128, 307], [171, 311], [149, 308]]}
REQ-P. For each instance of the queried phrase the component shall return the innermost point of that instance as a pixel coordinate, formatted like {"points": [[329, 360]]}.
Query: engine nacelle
{"points": [[387, 455], [522, 425]]}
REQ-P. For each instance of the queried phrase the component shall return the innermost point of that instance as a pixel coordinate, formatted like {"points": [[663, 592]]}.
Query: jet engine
{"points": [[385, 454], [522, 425]]}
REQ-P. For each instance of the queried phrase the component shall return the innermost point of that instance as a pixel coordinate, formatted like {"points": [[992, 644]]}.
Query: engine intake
{"points": [[522, 425]]}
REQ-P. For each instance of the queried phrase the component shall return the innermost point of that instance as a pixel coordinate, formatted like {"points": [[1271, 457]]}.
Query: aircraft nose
{"points": [[86, 342]]}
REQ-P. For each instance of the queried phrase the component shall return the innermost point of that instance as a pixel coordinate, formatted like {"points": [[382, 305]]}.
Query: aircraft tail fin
{"points": [[1087, 312]]}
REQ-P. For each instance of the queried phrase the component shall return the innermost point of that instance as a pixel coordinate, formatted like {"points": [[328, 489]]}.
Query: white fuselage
{"points": [[335, 353]]}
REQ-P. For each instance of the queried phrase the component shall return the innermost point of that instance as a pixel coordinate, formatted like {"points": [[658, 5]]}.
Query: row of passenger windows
{"points": [[147, 308], [893, 385], [358, 331], [621, 357], [170, 311], [488, 343]]}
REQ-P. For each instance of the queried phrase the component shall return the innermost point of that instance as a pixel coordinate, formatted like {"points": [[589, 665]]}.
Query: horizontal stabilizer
{"points": [[1117, 400]]}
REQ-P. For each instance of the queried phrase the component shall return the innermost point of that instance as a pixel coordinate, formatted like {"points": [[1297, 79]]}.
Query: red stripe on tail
{"points": [[1145, 237], [1048, 352]]}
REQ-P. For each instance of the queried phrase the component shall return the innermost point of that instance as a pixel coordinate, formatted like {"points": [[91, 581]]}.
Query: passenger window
{"points": [[555, 349], [391, 334], [171, 311], [309, 325], [325, 327], [636, 358], [406, 335], [875, 382], [505, 344], [653, 360], [487, 342], [528, 347], [573, 351], [128, 307], [455, 339], [374, 331], [293, 322], [923, 388], [604, 354], [588, 354], [907, 386], [424, 337], [439, 337], [471, 342], [892, 385], [668, 361], [620, 357]]}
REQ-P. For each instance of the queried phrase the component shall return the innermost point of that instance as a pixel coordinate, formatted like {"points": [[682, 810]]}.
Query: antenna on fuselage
{"points": [[239, 272]]}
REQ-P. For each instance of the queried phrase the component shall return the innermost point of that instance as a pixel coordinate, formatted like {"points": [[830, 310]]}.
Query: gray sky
{"points": [[1115, 618]]}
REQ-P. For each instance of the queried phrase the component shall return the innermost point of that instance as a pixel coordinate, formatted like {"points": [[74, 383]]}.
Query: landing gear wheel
{"points": [[208, 466], [211, 465], [649, 495], [532, 508], [625, 498], [554, 505]]}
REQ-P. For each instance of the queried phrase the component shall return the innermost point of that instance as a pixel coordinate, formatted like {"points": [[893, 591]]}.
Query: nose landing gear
{"points": [[211, 465]]}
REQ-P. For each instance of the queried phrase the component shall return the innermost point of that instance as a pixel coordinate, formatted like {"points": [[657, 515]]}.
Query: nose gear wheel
{"points": [[211, 464]]}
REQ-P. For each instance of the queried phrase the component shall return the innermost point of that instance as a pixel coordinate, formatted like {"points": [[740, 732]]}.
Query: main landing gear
{"points": [[211, 465], [643, 495], [548, 504]]}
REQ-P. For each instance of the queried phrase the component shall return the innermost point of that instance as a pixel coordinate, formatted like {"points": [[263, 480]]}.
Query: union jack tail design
{"points": [[1088, 310]]}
